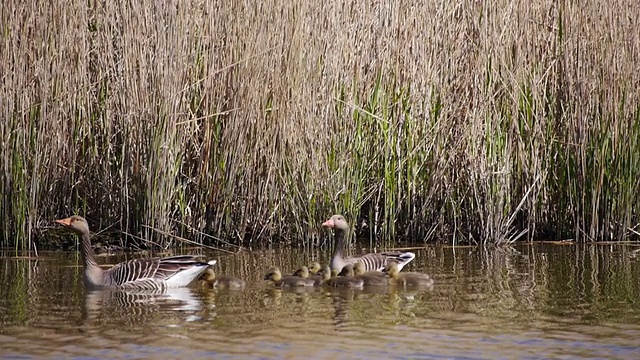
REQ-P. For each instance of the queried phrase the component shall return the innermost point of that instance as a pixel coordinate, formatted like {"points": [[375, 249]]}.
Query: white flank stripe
{"points": [[186, 276], [405, 259]]}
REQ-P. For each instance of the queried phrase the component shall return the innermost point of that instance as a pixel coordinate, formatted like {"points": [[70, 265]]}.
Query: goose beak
{"points": [[329, 223], [64, 222]]}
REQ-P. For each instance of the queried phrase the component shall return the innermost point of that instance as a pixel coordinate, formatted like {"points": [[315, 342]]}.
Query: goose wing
{"points": [[156, 273], [401, 257], [378, 261]]}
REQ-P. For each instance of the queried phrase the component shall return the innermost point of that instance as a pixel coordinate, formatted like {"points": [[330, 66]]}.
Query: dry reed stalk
{"points": [[468, 121]]}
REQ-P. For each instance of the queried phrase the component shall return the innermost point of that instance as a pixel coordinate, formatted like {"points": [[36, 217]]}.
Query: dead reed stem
{"points": [[465, 121]]}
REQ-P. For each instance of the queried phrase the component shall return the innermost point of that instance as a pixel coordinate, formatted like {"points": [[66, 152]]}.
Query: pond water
{"points": [[527, 301]]}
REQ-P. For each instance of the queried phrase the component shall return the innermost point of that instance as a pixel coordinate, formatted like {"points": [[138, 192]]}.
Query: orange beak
{"points": [[65, 222], [329, 223]]}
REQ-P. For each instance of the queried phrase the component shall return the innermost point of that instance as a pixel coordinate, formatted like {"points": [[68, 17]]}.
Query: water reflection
{"points": [[138, 306], [524, 301]]}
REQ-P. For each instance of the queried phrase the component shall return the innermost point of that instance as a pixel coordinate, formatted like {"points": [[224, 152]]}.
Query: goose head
{"points": [[337, 222], [76, 223], [273, 274]]}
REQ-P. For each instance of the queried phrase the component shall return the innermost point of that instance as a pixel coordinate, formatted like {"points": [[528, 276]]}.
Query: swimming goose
{"points": [[275, 276], [347, 271], [370, 278], [372, 261], [318, 270], [314, 267], [140, 274], [406, 279], [305, 273], [340, 281], [221, 282], [302, 272]]}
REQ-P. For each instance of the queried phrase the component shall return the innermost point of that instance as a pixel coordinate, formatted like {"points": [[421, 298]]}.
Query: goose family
{"points": [[371, 261], [373, 269], [142, 274]]}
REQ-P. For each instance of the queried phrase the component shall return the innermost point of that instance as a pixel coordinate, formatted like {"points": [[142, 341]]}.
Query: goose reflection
{"points": [[342, 298], [140, 306]]}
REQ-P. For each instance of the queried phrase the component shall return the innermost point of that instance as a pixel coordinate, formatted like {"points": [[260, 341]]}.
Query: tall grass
{"points": [[465, 121]]}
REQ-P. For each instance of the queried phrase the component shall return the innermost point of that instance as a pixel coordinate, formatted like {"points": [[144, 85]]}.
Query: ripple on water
{"points": [[536, 302]]}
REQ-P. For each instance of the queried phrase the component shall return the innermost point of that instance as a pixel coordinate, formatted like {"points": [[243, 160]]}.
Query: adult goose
{"points": [[372, 261], [136, 274], [407, 279], [211, 280]]}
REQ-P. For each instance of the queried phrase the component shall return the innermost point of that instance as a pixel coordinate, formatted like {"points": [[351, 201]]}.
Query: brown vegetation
{"points": [[468, 120]]}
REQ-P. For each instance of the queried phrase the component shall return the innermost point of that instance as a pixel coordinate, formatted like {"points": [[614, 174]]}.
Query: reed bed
{"points": [[464, 121]]}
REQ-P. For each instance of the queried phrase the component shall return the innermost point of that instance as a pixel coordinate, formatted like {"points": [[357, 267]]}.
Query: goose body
{"points": [[275, 275], [141, 274], [406, 279], [341, 281], [222, 282], [371, 261]]}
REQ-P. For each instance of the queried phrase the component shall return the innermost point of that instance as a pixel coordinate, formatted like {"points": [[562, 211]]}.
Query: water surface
{"points": [[527, 301]]}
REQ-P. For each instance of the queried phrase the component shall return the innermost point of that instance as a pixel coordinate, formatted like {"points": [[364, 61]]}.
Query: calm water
{"points": [[529, 301]]}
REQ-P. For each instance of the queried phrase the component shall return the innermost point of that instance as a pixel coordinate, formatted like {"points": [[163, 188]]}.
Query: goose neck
{"points": [[339, 239], [88, 255]]}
